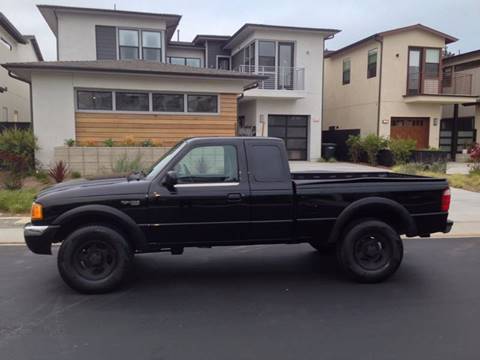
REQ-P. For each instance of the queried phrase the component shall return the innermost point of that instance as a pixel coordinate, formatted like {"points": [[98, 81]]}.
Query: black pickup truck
{"points": [[232, 191]]}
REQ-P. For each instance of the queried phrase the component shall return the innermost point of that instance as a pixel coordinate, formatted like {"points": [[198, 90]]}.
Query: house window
{"points": [[168, 102], [202, 103], [176, 60], [151, 45], [132, 101], [128, 44], [372, 63], [432, 63], [5, 43], [223, 62], [94, 100], [447, 77], [266, 55], [346, 72]]}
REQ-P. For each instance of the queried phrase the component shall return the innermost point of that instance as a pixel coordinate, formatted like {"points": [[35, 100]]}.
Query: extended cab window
{"points": [[208, 164]]}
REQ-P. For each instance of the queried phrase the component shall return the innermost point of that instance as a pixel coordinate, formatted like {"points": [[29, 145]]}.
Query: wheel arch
{"points": [[387, 210], [88, 214]]}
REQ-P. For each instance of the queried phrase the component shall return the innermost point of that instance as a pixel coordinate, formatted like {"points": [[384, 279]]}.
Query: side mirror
{"points": [[171, 179]]}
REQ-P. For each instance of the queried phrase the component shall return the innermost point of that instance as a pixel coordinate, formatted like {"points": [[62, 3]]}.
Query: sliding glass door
{"points": [[285, 65]]}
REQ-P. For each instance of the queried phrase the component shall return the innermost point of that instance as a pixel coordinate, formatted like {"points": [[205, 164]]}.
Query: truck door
{"points": [[271, 191], [209, 203]]}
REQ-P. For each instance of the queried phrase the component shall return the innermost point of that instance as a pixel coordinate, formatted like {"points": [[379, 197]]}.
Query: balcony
{"points": [[456, 89], [282, 82]]}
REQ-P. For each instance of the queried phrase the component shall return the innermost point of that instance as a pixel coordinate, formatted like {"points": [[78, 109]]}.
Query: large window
{"points": [[266, 53], [447, 76], [346, 72], [177, 60], [372, 63], [94, 100], [132, 101], [152, 45], [144, 101], [128, 44], [208, 164], [202, 103], [432, 63], [168, 102]]}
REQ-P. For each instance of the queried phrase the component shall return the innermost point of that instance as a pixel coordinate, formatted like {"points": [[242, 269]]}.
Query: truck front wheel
{"points": [[370, 251], [94, 259]]}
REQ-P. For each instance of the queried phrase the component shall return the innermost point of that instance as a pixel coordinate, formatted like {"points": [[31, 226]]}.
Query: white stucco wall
{"points": [[308, 55], [17, 97], [54, 99], [76, 31]]}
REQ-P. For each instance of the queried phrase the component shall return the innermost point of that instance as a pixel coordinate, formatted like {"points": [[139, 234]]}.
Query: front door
{"points": [[411, 128], [293, 129], [210, 202]]}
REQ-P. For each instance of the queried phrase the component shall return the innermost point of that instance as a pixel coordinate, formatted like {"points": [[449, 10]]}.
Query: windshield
{"points": [[165, 159]]}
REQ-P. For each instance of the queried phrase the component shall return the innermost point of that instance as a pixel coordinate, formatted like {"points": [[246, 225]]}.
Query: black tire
{"points": [[323, 248], [94, 259], [370, 251]]}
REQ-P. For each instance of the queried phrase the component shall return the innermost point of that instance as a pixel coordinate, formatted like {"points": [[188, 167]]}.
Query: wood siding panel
{"points": [[164, 130]]}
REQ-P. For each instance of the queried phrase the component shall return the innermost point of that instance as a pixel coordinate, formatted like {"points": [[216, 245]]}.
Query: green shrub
{"points": [[69, 142], [402, 149], [147, 143], [354, 143], [125, 166], [18, 145], [108, 142], [372, 144], [76, 175], [16, 201]]}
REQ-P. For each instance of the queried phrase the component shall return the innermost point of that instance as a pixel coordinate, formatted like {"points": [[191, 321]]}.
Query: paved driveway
{"points": [[260, 302]]}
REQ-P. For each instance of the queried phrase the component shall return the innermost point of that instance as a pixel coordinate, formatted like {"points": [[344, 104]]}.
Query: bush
{"points": [[59, 171], [354, 143], [128, 141], [125, 166], [402, 149], [372, 144], [108, 142], [76, 175], [16, 201], [147, 143], [69, 142], [474, 152], [18, 145]]}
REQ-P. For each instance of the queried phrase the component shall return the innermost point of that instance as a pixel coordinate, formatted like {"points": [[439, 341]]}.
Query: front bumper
{"points": [[39, 238]]}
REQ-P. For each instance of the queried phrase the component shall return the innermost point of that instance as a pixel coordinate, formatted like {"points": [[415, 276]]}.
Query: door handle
{"points": [[235, 197]]}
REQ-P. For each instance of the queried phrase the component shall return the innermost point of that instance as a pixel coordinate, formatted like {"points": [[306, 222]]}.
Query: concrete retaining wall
{"points": [[91, 161]]}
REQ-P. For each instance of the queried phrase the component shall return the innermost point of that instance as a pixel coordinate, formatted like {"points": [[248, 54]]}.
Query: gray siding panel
{"points": [[214, 49], [106, 42]]}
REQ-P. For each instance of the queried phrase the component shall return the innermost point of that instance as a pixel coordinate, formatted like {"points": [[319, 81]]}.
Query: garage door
{"points": [[293, 129], [411, 128]]}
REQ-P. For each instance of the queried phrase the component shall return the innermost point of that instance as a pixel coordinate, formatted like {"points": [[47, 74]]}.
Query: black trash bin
{"points": [[328, 150]]}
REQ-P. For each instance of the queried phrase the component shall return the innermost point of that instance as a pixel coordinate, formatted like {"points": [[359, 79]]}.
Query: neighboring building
{"points": [[15, 94], [119, 73], [460, 123], [390, 84]]}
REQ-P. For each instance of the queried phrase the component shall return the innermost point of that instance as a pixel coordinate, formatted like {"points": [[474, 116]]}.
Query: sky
{"points": [[356, 19]]}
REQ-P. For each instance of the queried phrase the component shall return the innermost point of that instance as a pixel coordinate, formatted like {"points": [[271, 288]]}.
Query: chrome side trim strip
{"points": [[207, 185]]}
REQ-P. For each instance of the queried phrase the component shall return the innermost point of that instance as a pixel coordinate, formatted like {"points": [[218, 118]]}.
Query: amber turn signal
{"points": [[37, 211]]}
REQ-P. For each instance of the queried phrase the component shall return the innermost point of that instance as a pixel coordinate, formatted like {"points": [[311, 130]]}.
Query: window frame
{"points": [[201, 112], [77, 102], [140, 42], [423, 55], [150, 102], [206, 184], [184, 58], [138, 47], [447, 79], [149, 47], [218, 57], [370, 52], [344, 80]]}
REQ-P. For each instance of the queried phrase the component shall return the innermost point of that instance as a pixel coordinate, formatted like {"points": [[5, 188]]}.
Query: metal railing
{"points": [[421, 84], [279, 77]]}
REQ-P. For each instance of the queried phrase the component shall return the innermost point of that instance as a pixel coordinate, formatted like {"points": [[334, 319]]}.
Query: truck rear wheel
{"points": [[370, 251], [94, 259]]}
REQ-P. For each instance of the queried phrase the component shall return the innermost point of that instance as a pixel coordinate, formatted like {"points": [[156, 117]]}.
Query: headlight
{"points": [[37, 211]]}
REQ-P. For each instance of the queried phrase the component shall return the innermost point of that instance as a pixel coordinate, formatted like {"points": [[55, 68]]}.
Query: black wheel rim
{"points": [[95, 259], [372, 251]]}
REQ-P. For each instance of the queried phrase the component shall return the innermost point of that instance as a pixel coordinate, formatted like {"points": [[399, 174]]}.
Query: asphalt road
{"points": [[277, 302]]}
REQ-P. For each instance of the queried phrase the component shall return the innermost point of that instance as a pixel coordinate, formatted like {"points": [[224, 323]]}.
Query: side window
{"points": [[267, 164], [208, 164]]}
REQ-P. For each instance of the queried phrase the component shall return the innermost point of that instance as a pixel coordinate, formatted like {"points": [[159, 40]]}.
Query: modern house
{"points": [[119, 74], [390, 84], [15, 94], [460, 122]]}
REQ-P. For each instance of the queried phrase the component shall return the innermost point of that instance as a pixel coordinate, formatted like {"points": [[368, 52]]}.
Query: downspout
{"points": [[380, 41]]}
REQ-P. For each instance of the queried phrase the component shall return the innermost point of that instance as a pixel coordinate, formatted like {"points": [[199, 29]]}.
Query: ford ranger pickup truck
{"points": [[216, 191]]}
